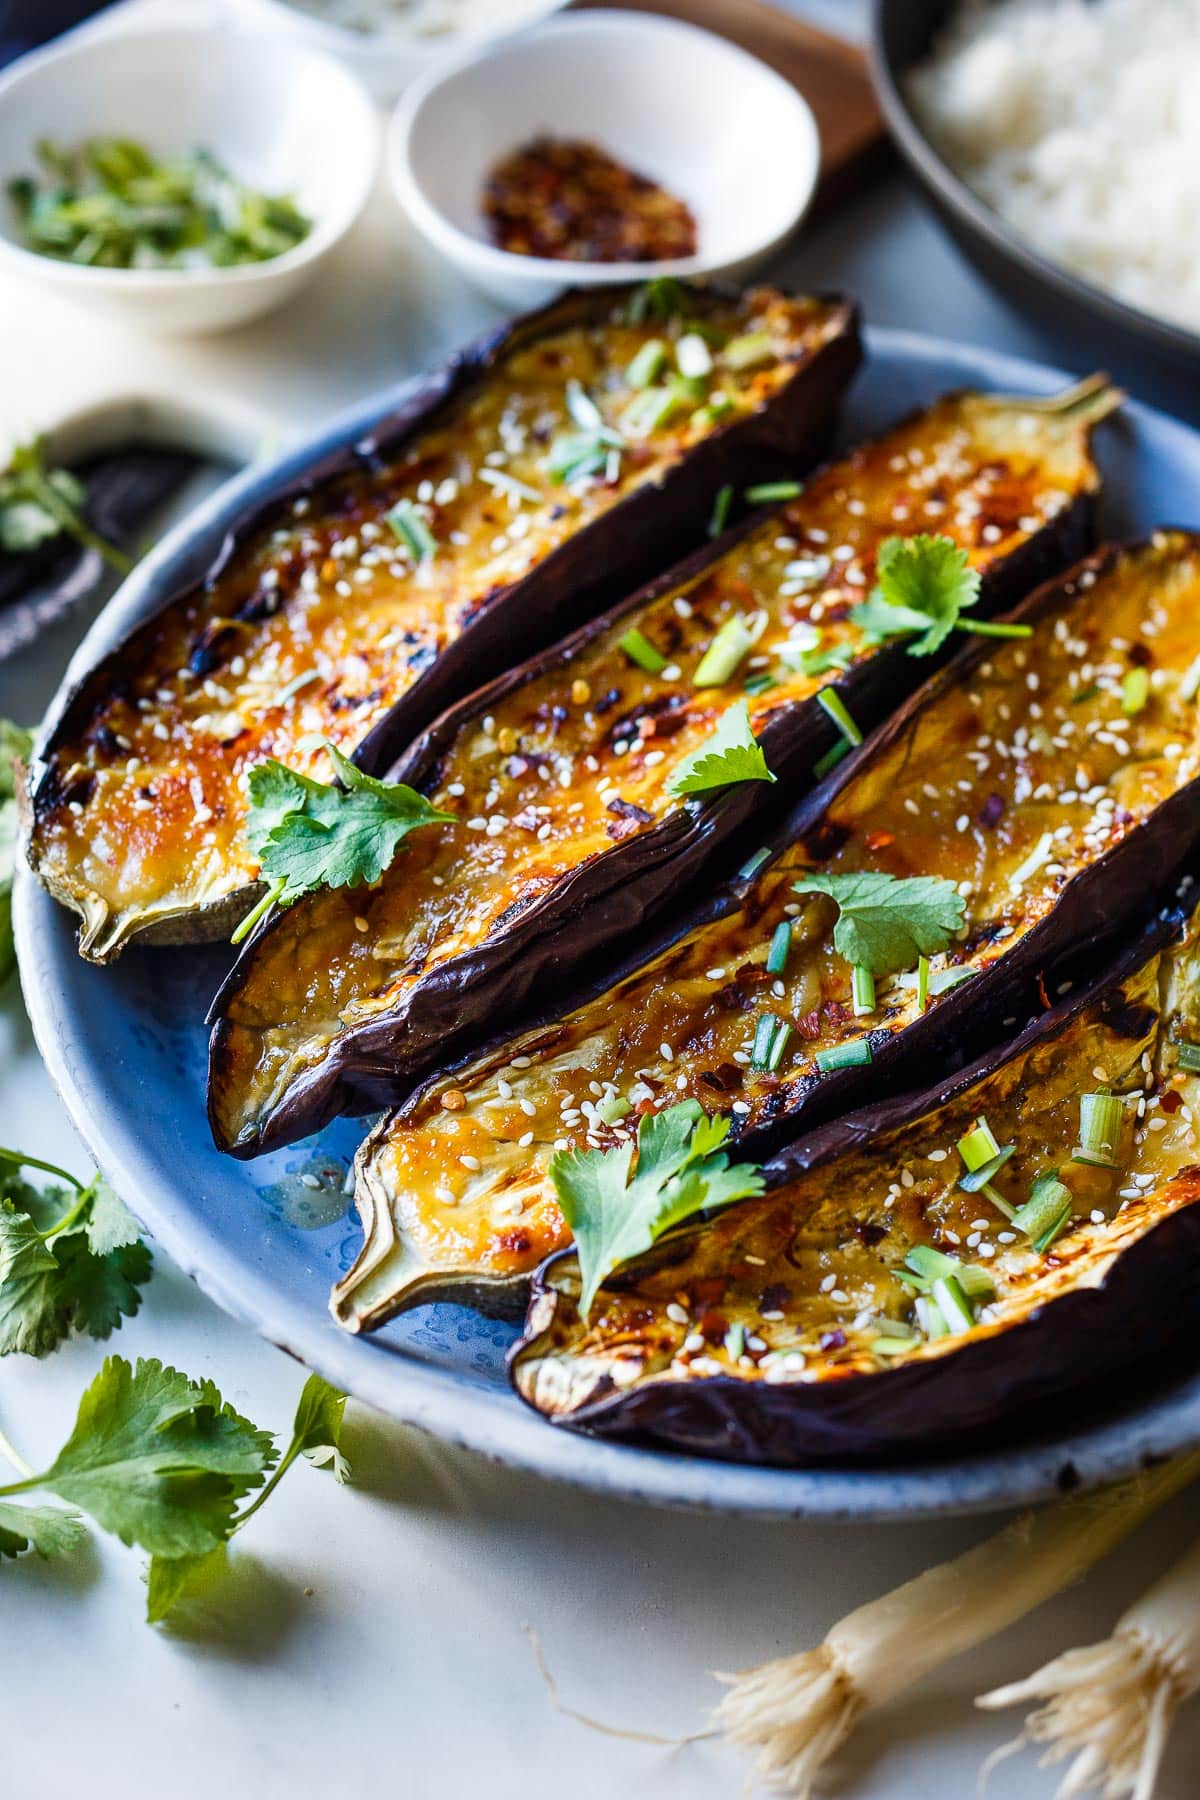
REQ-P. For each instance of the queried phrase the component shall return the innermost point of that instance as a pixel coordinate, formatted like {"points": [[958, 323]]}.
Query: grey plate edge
{"points": [[445, 1404]]}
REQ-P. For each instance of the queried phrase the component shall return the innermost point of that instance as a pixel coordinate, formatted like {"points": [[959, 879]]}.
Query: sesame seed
{"points": [[470, 1162]]}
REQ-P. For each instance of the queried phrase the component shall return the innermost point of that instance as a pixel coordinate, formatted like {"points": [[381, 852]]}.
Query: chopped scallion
{"points": [[781, 943], [732, 644], [648, 364], [929, 1318], [783, 1032], [747, 351], [613, 1109], [922, 984], [975, 1180], [764, 1036], [1101, 1116], [758, 684], [1047, 1210], [693, 358], [1187, 1056], [640, 650], [853, 1055], [767, 491], [753, 864], [720, 511], [831, 702], [953, 1305], [862, 987], [583, 408], [412, 530], [832, 757], [978, 1146], [735, 1340], [1189, 687], [1135, 690]]}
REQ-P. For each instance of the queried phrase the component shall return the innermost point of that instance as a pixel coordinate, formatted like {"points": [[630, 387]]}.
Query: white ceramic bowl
{"points": [[386, 61], [709, 122], [280, 115]]}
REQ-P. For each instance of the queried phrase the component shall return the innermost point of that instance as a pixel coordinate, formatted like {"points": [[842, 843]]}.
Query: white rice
{"points": [[1079, 122]]}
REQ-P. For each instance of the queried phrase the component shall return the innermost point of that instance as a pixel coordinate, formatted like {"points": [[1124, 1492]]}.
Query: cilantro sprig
{"points": [[307, 834], [924, 586], [886, 922], [731, 754], [38, 504], [71, 1258], [681, 1170], [163, 1462], [15, 746]]}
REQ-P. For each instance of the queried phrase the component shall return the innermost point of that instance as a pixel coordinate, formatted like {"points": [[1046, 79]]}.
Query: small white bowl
{"points": [[711, 123], [387, 61], [280, 115]]}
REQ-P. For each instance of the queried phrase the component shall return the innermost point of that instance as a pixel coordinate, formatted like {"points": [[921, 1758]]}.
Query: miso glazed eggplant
{"points": [[1028, 799], [543, 470], [588, 785], [926, 1267]]}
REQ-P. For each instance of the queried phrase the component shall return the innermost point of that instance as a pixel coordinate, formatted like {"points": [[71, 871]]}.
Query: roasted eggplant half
{"points": [[1052, 779], [892, 1289], [537, 475], [570, 834]]}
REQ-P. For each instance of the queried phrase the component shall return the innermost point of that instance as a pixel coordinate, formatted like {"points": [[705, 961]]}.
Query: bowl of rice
{"points": [[1060, 142]]}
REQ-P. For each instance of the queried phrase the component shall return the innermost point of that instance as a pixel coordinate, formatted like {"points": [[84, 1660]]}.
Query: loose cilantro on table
{"points": [[162, 1462], [15, 746], [681, 1169], [731, 754], [885, 922], [925, 585], [38, 504], [307, 834], [71, 1258]]}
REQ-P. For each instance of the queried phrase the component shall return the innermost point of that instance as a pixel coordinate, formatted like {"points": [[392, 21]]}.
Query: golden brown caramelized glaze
{"points": [[325, 616], [1010, 783], [579, 757], [814, 1282]]}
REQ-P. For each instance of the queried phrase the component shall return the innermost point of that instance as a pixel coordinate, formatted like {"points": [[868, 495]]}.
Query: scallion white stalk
{"points": [[796, 1711]]}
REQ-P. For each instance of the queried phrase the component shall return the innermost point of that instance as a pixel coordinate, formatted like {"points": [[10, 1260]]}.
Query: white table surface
{"points": [[374, 1635]]}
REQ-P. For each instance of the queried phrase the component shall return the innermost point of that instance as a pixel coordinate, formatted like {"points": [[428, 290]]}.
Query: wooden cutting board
{"points": [[830, 73]]}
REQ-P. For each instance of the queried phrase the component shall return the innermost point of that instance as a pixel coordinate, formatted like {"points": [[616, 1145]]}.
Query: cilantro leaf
{"points": [[317, 1430], [158, 1459], [886, 922], [306, 834], [38, 504], [731, 754], [70, 1259], [681, 1170], [924, 584], [46, 1529]]}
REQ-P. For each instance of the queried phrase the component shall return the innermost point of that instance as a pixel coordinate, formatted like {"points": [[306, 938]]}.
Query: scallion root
{"points": [[1110, 1705]]}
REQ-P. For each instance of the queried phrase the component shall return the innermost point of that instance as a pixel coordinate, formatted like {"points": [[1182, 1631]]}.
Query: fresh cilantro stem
{"points": [[73, 522], [70, 1216], [256, 912], [11, 1454], [983, 628], [20, 1160], [264, 1493]]}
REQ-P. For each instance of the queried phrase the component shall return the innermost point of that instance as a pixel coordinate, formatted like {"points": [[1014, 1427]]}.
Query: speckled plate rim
{"points": [[448, 1403]]}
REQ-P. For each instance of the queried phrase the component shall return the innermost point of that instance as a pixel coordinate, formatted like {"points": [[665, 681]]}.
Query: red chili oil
{"points": [[571, 201]]}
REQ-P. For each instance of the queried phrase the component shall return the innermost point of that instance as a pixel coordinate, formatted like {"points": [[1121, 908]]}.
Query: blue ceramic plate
{"points": [[126, 1047]]}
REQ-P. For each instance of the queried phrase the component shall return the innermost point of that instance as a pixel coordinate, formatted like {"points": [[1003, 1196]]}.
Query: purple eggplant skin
{"points": [[1087, 1338], [612, 900]]}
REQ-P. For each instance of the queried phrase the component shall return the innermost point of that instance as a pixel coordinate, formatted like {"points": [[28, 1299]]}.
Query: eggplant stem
{"points": [[1086, 403]]}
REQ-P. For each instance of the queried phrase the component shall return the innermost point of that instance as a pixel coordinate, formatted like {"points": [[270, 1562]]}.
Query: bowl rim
{"points": [[489, 259], [327, 230], [959, 199], [342, 40]]}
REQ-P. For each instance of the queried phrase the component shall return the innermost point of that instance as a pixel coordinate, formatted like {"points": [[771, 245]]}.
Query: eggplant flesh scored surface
{"points": [[789, 1328], [320, 619], [1017, 773], [568, 840]]}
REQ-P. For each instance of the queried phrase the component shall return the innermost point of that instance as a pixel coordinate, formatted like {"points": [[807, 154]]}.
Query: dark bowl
{"points": [[902, 33]]}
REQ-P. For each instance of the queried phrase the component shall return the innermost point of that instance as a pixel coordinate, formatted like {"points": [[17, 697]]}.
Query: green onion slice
{"points": [[1187, 1057], [747, 351], [1189, 687], [783, 1032], [979, 1146], [640, 650], [853, 1055], [862, 987], [720, 511], [976, 1180], [648, 364], [732, 644], [1101, 1117], [753, 864], [1135, 690], [953, 1305], [832, 703], [781, 943], [929, 1318], [1047, 1211], [839, 752], [767, 491], [922, 984], [412, 530]]}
